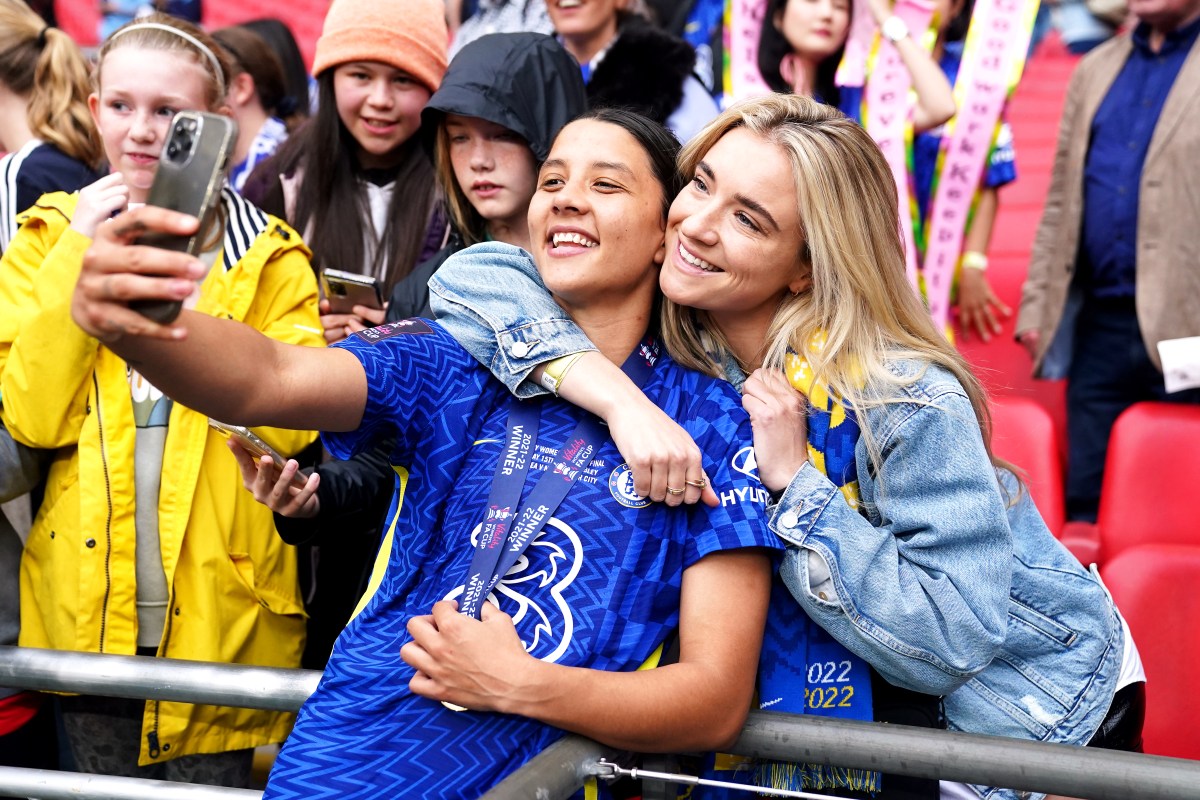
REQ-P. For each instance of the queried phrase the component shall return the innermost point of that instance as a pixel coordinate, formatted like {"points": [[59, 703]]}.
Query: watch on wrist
{"points": [[894, 29]]}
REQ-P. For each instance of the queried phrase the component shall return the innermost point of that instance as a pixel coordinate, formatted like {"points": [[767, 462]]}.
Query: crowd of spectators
{"points": [[802, 443]]}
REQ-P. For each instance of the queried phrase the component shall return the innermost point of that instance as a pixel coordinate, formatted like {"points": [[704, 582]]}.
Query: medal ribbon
{"points": [[502, 541]]}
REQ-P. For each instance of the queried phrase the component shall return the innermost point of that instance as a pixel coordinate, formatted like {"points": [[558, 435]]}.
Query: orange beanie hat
{"points": [[407, 34]]}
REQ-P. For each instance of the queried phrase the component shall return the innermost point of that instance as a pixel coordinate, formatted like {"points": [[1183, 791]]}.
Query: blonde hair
{"points": [[44, 65], [860, 304], [168, 34]]}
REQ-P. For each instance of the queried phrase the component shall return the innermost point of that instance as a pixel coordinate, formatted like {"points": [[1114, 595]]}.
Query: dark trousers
{"points": [[1110, 371], [34, 744], [105, 735]]}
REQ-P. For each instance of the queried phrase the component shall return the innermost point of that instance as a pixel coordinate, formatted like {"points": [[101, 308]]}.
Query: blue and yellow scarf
{"points": [[804, 670]]}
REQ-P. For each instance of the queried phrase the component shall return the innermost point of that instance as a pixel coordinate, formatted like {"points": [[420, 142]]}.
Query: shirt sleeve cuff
{"points": [[524, 348], [802, 504]]}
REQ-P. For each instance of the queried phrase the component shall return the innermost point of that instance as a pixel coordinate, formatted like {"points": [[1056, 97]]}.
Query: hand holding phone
{"points": [[345, 290], [256, 448], [191, 171]]}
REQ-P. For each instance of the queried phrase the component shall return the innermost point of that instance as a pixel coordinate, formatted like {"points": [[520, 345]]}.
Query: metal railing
{"points": [[142, 678], [46, 784], [561, 769], [1068, 770]]}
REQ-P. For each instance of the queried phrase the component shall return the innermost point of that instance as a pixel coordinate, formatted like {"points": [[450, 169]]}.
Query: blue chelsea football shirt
{"points": [[598, 588]]}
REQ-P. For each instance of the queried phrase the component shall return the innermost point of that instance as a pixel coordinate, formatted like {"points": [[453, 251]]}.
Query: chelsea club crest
{"points": [[620, 484]]}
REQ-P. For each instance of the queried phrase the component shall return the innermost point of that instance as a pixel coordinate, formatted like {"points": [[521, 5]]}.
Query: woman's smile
{"points": [[565, 241], [690, 259]]}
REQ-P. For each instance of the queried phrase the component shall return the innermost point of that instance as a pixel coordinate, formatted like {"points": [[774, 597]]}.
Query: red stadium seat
{"points": [[1024, 434], [1083, 540], [1150, 477], [1154, 586]]}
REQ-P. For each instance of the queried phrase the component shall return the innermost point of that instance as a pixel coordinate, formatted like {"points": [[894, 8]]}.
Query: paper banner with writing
{"points": [[852, 69], [887, 113], [993, 59], [743, 25]]}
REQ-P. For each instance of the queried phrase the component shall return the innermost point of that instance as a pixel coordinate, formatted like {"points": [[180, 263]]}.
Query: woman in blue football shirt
{"points": [[596, 591]]}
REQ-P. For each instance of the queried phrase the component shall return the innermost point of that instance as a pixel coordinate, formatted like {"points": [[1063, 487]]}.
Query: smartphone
{"points": [[191, 171], [255, 446], [345, 290]]}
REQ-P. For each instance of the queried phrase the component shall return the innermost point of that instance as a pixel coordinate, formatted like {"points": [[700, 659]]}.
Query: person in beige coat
{"points": [[1116, 263]]}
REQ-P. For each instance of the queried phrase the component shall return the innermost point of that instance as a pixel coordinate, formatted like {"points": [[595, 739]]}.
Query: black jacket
{"points": [[644, 70]]}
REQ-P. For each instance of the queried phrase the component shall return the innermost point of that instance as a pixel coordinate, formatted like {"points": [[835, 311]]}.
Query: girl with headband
{"points": [[145, 544]]}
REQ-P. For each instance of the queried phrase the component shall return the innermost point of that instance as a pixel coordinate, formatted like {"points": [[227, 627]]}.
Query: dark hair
{"points": [[252, 55], [956, 31], [331, 209], [773, 46], [659, 144], [295, 74]]}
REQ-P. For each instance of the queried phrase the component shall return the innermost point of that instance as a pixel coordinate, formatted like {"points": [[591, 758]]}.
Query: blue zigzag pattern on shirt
{"points": [[599, 587]]}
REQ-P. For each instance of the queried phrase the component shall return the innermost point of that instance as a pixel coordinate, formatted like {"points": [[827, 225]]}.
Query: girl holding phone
{"points": [[144, 544], [355, 179]]}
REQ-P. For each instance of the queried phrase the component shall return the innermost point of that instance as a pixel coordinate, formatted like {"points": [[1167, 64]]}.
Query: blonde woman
{"points": [[908, 543], [45, 129]]}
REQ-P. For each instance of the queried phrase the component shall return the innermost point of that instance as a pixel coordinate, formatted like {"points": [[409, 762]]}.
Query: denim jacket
{"points": [[938, 581]]}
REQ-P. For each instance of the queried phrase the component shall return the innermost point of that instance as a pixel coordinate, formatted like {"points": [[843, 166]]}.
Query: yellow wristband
{"points": [[554, 371], [974, 260]]}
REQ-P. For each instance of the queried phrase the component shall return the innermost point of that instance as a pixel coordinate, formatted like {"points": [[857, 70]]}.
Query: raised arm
{"points": [[492, 300], [699, 703], [216, 366], [935, 96]]}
